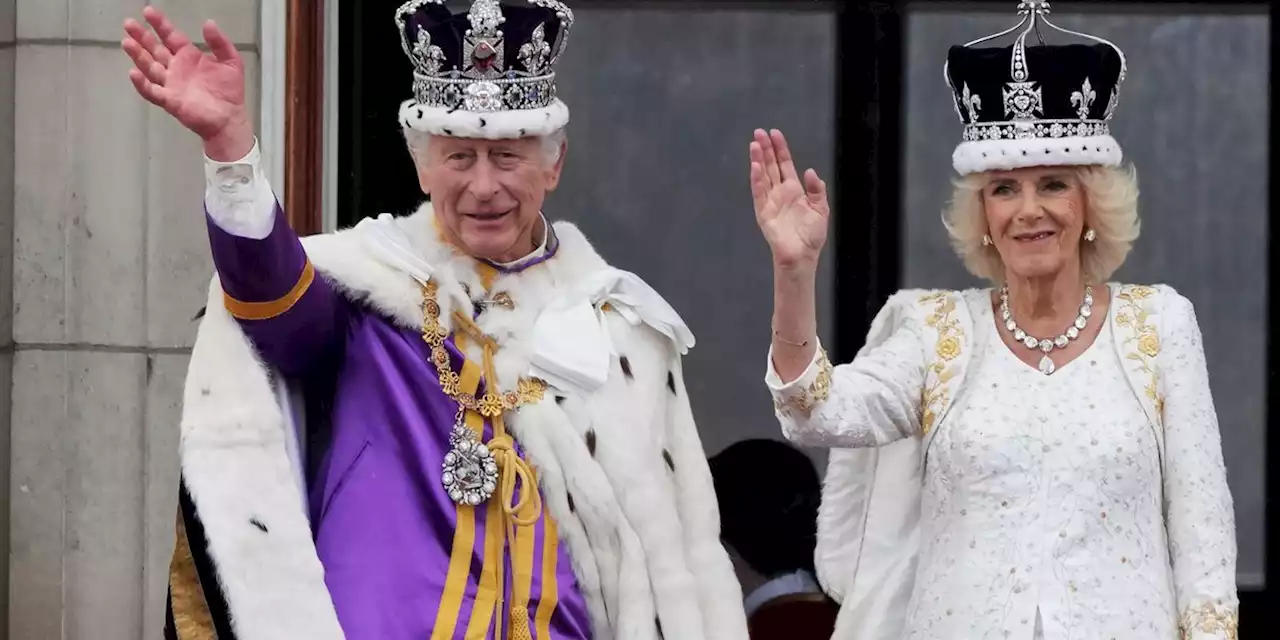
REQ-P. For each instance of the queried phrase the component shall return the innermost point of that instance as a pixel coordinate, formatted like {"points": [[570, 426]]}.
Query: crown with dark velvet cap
{"points": [[487, 73], [1038, 105]]}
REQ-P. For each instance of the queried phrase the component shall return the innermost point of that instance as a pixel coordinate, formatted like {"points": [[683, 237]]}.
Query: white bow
{"points": [[572, 348]]}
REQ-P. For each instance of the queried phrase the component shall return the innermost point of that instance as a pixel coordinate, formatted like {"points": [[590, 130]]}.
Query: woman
{"points": [[1039, 459]]}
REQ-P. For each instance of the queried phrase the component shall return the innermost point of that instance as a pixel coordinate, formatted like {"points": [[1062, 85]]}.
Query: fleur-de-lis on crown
{"points": [[1083, 99], [535, 53], [972, 102], [428, 56]]}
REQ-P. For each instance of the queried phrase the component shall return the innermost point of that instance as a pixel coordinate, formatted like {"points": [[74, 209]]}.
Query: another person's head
{"points": [[487, 195], [1042, 188], [485, 128], [768, 493]]}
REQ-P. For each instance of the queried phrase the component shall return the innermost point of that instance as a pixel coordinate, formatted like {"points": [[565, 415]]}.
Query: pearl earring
{"points": [[986, 239], [1090, 235]]}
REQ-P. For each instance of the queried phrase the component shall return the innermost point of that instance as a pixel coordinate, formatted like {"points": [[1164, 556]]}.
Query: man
{"points": [[459, 423], [770, 523]]}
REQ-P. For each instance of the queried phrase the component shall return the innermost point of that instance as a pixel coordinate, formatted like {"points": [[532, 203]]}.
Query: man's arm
{"points": [[290, 313]]}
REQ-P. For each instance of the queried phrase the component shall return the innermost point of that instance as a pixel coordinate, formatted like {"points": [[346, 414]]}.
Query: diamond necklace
{"points": [[1044, 344]]}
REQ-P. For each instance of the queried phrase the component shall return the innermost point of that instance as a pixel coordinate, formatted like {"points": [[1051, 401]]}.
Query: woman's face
{"points": [[1035, 218]]}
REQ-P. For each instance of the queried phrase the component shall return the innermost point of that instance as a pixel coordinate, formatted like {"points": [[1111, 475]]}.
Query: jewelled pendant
{"points": [[470, 471], [1046, 365]]}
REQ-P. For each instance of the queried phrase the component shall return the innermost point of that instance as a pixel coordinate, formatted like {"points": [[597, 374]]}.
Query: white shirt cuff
{"points": [[238, 197]]}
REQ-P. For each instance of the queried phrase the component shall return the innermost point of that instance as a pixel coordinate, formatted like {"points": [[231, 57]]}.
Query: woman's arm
{"points": [[869, 402], [1198, 504]]}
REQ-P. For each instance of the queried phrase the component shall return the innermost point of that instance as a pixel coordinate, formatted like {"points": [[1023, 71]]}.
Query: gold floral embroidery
{"points": [[947, 348], [1135, 316], [1209, 618], [804, 400]]}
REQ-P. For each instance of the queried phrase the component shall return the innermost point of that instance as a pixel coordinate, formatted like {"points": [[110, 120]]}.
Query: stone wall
{"points": [[104, 262]]}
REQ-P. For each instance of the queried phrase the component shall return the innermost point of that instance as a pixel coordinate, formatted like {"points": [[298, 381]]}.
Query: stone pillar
{"points": [[105, 263]]}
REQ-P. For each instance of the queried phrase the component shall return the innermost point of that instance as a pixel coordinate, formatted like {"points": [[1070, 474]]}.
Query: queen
{"points": [[1039, 458]]}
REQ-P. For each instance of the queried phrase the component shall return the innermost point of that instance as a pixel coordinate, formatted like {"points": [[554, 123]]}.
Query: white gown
{"points": [[1042, 500], [1046, 509]]}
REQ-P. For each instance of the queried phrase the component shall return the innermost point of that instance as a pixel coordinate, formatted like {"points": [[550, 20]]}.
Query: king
{"points": [[459, 423]]}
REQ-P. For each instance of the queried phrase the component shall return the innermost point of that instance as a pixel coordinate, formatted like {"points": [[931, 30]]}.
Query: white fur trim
{"points": [[977, 156], [237, 467], [643, 541], [496, 125]]}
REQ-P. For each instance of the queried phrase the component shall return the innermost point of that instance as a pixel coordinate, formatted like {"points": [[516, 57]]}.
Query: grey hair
{"points": [[551, 143]]}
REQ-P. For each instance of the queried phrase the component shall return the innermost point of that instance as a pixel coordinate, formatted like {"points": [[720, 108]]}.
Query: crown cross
{"points": [[1022, 100], [483, 46]]}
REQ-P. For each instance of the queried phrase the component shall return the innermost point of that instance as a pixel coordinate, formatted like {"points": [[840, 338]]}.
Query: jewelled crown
{"points": [[1035, 105], [487, 73]]}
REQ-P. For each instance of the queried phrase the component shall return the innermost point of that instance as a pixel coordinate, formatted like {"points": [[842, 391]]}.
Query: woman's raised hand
{"points": [[793, 214]]}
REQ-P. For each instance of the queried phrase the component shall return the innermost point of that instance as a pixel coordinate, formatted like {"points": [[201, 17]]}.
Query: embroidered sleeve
{"points": [[869, 402], [1200, 517]]}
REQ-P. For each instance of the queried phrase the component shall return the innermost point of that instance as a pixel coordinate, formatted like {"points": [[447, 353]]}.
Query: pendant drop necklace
{"points": [[1047, 345]]}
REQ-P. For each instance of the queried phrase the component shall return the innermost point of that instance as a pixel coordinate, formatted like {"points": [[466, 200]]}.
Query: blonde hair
{"points": [[1111, 211]]}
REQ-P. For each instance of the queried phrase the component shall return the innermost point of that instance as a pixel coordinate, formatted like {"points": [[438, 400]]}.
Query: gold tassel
{"points": [[520, 624]]}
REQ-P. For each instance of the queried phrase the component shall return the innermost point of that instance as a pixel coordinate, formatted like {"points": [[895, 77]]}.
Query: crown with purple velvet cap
{"points": [[488, 73]]}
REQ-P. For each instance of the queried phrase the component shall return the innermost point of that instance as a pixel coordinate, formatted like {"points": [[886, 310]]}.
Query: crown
{"points": [[495, 59], [1034, 106]]}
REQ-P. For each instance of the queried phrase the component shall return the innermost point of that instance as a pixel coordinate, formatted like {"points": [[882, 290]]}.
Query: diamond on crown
{"points": [[485, 17]]}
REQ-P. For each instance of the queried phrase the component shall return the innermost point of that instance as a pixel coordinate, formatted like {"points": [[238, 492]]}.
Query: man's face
{"points": [[487, 194]]}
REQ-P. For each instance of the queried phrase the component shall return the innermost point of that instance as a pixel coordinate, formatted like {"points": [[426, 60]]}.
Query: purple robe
{"points": [[401, 560]]}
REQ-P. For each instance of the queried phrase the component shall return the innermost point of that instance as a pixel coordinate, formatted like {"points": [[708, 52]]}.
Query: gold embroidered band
{"points": [[267, 310]]}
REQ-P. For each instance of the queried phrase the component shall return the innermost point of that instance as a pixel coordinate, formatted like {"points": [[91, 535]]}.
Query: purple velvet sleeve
{"points": [[267, 270]]}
